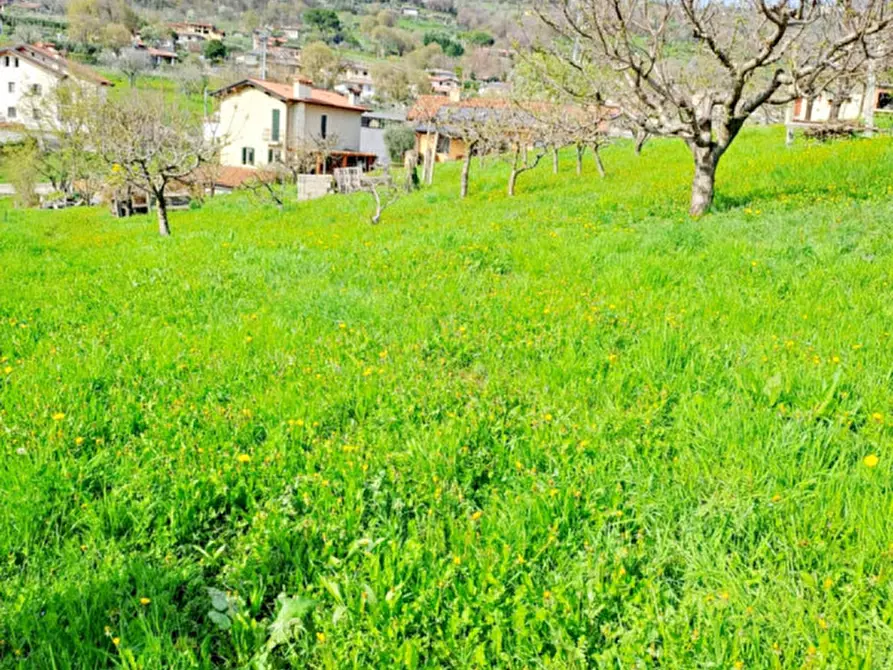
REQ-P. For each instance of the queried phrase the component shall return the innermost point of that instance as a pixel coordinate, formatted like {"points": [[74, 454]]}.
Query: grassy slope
{"points": [[573, 427]]}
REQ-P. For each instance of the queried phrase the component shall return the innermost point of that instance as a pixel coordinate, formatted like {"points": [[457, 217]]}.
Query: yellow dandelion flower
{"points": [[457, 560], [116, 641], [871, 461], [58, 416], [243, 458], [477, 515], [78, 441], [145, 601], [877, 416], [8, 369], [321, 637]]}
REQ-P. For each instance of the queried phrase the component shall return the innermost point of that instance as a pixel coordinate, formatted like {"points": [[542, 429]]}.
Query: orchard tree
{"points": [[480, 125], [698, 69], [130, 62], [59, 133], [148, 143]]}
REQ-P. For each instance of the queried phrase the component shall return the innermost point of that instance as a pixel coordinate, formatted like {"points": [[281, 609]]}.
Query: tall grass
{"points": [[569, 429]]}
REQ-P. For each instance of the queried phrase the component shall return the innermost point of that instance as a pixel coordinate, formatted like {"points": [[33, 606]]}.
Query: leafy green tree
{"points": [[479, 38], [320, 63], [325, 22], [215, 51], [399, 140], [450, 48], [392, 41], [90, 21]]}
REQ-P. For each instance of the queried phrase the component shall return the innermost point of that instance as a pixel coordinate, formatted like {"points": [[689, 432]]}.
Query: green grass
{"points": [[570, 429]]}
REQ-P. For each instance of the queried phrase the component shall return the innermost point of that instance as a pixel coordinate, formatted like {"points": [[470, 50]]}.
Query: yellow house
{"points": [[261, 120]]}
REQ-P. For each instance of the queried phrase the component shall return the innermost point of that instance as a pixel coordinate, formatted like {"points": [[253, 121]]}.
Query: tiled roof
{"points": [[161, 52], [427, 107], [52, 61], [286, 92]]}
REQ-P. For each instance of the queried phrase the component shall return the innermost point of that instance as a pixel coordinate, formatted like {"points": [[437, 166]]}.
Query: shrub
{"points": [[399, 140]]}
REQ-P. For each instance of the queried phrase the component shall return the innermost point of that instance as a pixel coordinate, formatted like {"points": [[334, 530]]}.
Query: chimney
{"points": [[456, 94], [303, 87]]}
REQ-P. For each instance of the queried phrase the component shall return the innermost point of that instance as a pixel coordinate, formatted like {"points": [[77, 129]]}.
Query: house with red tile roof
{"points": [[28, 72], [262, 120]]}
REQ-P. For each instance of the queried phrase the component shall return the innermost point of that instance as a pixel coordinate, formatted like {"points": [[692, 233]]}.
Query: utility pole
{"points": [[263, 54]]}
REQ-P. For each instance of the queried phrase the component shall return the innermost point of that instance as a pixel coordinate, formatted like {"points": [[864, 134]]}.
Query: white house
{"points": [[28, 73], [851, 108], [356, 78], [261, 120]]}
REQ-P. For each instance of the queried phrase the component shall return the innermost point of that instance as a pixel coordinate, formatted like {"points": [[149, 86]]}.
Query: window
{"points": [[35, 89], [11, 113], [12, 87], [323, 122], [273, 155], [247, 156], [6, 62], [443, 145], [275, 134], [16, 62]]}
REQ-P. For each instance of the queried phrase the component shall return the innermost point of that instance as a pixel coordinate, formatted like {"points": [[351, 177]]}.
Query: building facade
{"points": [[262, 121], [28, 73]]}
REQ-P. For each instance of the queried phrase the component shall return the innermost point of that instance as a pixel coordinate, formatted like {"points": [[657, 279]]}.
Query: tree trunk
{"points": [[834, 109], [410, 164], [554, 160], [466, 167], [702, 187], [641, 138], [580, 151], [598, 161], [513, 177], [429, 178], [164, 228]]}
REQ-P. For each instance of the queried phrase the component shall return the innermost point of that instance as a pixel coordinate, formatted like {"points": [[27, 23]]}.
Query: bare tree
{"points": [[149, 143], [698, 69], [60, 133], [521, 133], [478, 124], [384, 193], [129, 62]]}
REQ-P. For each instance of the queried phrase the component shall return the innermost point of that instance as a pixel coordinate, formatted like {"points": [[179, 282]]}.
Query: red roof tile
{"points": [[286, 92], [51, 60]]}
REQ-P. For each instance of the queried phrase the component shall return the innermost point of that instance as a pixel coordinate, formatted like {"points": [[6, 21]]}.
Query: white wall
{"points": [[821, 109], [23, 78], [245, 118], [342, 123]]}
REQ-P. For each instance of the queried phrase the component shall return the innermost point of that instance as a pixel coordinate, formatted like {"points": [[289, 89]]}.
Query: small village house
{"points": [[261, 120], [356, 78], [819, 109], [443, 82], [28, 73], [437, 120], [192, 34], [374, 124]]}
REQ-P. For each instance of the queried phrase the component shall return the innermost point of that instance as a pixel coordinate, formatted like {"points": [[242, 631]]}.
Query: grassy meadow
{"points": [[570, 429]]}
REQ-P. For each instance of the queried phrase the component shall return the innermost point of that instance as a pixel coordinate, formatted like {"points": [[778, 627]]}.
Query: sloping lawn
{"points": [[573, 428]]}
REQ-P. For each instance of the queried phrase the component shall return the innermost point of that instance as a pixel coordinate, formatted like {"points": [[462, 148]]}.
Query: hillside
{"points": [[570, 428]]}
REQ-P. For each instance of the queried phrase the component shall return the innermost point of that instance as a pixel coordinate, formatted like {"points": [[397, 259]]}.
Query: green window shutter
{"points": [[275, 134]]}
